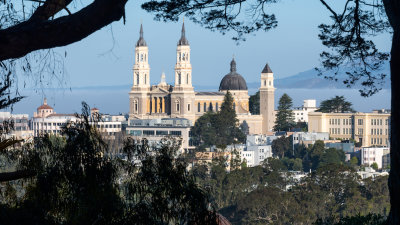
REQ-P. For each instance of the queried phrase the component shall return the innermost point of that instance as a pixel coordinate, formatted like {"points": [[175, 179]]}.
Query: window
{"points": [[270, 83], [141, 57], [205, 107], [216, 106], [136, 106], [148, 132], [189, 107], [137, 78], [145, 78], [175, 132], [161, 132], [198, 107], [179, 78], [360, 121], [265, 83], [187, 78], [210, 107], [177, 107]]}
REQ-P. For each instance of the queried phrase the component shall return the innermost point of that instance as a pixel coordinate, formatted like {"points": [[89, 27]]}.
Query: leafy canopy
{"points": [[338, 104]]}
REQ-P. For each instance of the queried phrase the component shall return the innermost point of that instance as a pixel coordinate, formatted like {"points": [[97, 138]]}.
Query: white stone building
{"points": [[20, 122], [376, 155], [301, 113], [154, 130], [46, 121]]}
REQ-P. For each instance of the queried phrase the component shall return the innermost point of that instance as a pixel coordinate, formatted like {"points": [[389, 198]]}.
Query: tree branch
{"points": [[9, 176], [32, 35], [49, 9]]}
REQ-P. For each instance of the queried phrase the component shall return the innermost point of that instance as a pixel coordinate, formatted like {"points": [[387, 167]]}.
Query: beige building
{"points": [[181, 101], [370, 129]]}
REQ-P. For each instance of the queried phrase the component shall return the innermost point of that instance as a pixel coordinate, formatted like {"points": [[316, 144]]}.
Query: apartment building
{"points": [[380, 156], [20, 126], [369, 129], [301, 113], [154, 130]]}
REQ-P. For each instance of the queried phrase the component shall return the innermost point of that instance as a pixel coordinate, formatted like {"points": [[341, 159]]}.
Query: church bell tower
{"points": [[267, 93], [141, 79], [183, 97]]}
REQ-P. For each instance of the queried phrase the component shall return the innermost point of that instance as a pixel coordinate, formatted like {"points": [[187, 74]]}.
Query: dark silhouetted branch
{"points": [[32, 35]]}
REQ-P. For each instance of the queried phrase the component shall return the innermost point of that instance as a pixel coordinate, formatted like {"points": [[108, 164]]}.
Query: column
{"points": [[163, 105], [148, 105], [152, 105]]}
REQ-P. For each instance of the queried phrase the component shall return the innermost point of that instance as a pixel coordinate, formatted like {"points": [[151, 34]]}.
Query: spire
{"points": [[162, 81], [183, 40], [141, 41], [233, 65], [266, 69]]}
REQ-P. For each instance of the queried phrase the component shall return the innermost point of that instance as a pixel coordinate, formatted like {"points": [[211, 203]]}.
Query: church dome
{"points": [[233, 80]]}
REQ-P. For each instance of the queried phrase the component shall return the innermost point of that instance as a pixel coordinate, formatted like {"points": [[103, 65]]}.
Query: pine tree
{"points": [[284, 117]]}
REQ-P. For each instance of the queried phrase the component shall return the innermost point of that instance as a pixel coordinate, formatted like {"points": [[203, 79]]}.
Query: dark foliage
{"points": [[338, 104], [284, 117], [78, 182], [221, 128], [254, 103]]}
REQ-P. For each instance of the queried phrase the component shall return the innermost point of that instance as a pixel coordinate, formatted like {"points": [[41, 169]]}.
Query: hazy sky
{"points": [[107, 56]]}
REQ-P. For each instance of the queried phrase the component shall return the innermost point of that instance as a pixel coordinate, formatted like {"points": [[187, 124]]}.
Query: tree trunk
{"points": [[394, 177]]}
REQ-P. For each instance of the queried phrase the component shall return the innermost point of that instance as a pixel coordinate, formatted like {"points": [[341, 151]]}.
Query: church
{"points": [[182, 101]]}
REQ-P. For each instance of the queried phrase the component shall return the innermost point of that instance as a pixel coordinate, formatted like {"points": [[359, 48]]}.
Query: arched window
{"points": [[137, 57], [179, 78], [177, 107], [141, 57], [136, 106], [198, 107], [270, 83], [210, 108], [183, 56], [205, 107], [137, 78], [265, 83], [179, 57], [216, 107], [189, 107], [145, 78]]}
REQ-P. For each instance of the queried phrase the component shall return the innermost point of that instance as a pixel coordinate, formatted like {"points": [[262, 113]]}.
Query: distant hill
{"points": [[310, 80]]}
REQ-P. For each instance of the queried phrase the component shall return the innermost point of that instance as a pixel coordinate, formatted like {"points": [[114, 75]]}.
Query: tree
{"points": [[221, 128], [284, 117], [78, 182], [254, 103], [337, 104], [374, 166], [354, 161], [244, 127], [281, 146]]}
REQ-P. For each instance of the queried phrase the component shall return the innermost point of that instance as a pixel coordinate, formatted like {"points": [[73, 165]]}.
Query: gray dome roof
{"points": [[233, 80], [141, 41]]}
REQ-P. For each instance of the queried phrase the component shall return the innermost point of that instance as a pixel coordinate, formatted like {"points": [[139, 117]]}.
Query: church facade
{"points": [[182, 101]]}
